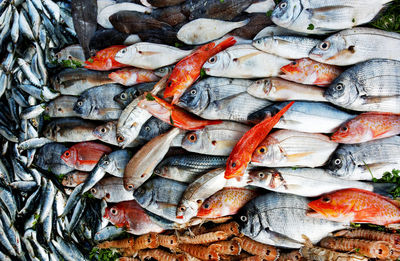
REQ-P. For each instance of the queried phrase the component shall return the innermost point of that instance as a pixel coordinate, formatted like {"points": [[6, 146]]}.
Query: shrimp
{"points": [[122, 243], [267, 252], [372, 249], [204, 238], [231, 247], [146, 241], [159, 254], [290, 256], [231, 228], [200, 252], [369, 234], [168, 241]]}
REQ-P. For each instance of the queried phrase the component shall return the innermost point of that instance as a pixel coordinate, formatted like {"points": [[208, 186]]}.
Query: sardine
{"points": [[313, 117], [292, 148], [280, 220], [366, 160], [216, 140], [244, 61], [370, 86], [70, 130]]}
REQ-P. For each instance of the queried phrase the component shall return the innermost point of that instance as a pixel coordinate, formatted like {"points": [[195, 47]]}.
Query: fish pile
{"points": [[197, 130]]}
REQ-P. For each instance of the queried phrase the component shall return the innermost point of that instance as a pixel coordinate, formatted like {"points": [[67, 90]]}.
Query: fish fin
{"points": [[383, 188], [148, 53], [223, 45], [108, 64], [165, 204], [87, 162], [243, 23], [330, 13], [245, 57], [296, 156]]}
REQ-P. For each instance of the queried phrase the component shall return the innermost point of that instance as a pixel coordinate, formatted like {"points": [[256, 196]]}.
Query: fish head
{"points": [[125, 55], [187, 209], [82, 106], [342, 91], [268, 152], [51, 131], [70, 156], [329, 206], [195, 141], [260, 88], [144, 194], [153, 128], [340, 165], [105, 163], [106, 131], [99, 192], [196, 98], [296, 69], [57, 83], [266, 177], [264, 113], [161, 72], [116, 215], [236, 166], [286, 12], [331, 50], [350, 132], [217, 64], [208, 208], [250, 223], [265, 43], [127, 96]]}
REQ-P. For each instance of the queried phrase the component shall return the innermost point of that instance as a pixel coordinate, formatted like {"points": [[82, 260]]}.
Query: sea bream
{"points": [[321, 17]]}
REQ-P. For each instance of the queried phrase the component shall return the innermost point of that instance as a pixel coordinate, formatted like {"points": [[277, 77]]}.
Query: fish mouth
{"points": [[314, 55]]}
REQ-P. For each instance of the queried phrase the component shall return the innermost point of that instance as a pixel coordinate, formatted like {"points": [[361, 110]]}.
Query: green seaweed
{"points": [[389, 19], [391, 177], [104, 254]]}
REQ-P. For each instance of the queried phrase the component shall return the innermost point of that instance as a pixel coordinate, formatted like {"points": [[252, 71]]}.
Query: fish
{"points": [[226, 202], [85, 155], [286, 46], [241, 154], [130, 215], [355, 45], [164, 3], [74, 178], [104, 38], [217, 140], [321, 17], [280, 220], [187, 70], [173, 114], [48, 158], [103, 18], [140, 167], [70, 130], [186, 168], [306, 182], [276, 89], [111, 189], [236, 107], [355, 205], [75, 81], [366, 160], [161, 196], [97, 103], [304, 116], [133, 22], [61, 107], [307, 71], [368, 126], [117, 161], [203, 30], [287, 148], [132, 76], [261, 7], [244, 61], [72, 53], [373, 85], [272, 30], [202, 188], [104, 60], [128, 95], [247, 32], [150, 56], [84, 22]]}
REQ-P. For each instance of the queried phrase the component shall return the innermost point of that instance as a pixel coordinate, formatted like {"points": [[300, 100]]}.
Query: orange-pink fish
{"points": [[307, 71], [368, 126], [132, 76]]}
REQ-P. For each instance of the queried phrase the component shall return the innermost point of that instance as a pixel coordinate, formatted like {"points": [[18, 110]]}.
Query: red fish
{"points": [[243, 150], [173, 114], [130, 215], [187, 70], [132, 76], [85, 155], [104, 59], [307, 71], [356, 205], [225, 202], [368, 126]]}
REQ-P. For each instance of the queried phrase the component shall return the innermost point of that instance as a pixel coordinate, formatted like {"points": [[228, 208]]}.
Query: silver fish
{"points": [[216, 140], [118, 160], [48, 158], [366, 160], [70, 130], [62, 107], [280, 220], [356, 45], [112, 190], [370, 86], [324, 16], [290, 47], [72, 52]]}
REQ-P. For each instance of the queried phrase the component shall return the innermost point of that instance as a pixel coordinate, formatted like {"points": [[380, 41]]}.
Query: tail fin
{"points": [[383, 189], [228, 42]]}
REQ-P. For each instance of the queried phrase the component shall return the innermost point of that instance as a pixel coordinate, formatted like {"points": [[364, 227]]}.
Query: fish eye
{"points": [[262, 150], [147, 128], [258, 41], [48, 109], [129, 187], [69, 57], [67, 154], [261, 175], [162, 70], [114, 211], [123, 96], [344, 129], [210, 256], [182, 208], [338, 161], [157, 171], [243, 218], [233, 164], [120, 139], [192, 137], [283, 5], [123, 51], [193, 92], [59, 109], [106, 162], [79, 103], [326, 199], [294, 63], [103, 130], [93, 190], [212, 59], [324, 45], [339, 86], [206, 206]]}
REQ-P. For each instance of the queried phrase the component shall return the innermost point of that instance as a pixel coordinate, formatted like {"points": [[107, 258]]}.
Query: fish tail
{"points": [[223, 45]]}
